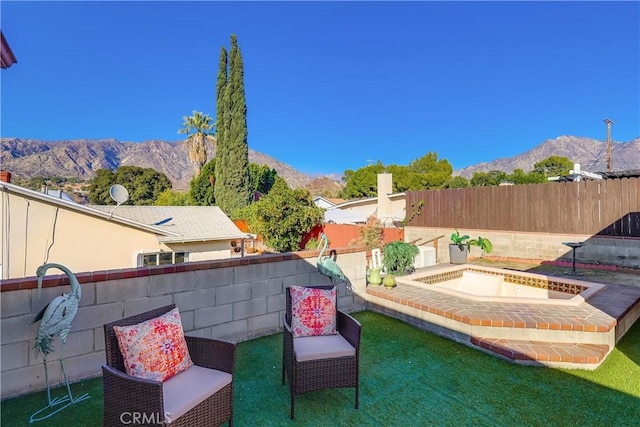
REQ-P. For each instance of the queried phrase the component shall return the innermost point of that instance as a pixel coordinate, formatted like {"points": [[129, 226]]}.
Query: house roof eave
{"points": [[7, 58], [57, 202]]}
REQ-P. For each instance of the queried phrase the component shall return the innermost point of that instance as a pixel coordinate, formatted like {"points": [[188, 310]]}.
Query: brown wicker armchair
{"points": [[309, 372], [131, 400]]}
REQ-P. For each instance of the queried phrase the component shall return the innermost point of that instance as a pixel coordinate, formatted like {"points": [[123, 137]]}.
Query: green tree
{"points": [[99, 187], [284, 216], [404, 179], [362, 182], [433, 173], [173, 198], [143, 184], [232, 174], [521, 177], [261, 178], [553, 166], [426, 172], [221, 82], [201, 186], [457, 182], [488, 179], [198, 128]]}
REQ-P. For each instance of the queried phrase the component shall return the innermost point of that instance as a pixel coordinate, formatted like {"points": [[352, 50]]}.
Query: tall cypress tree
{"points": [[232, 187], [220, 106]]}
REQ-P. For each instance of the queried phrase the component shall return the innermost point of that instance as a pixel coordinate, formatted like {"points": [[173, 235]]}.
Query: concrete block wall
{"points": [[236, 299], [621, 252]]}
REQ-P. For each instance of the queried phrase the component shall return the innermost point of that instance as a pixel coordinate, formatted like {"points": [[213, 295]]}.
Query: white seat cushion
{"points": [[322, 347], [184, 391]]}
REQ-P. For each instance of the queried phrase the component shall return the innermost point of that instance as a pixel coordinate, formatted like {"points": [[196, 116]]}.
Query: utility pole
{"points": [[609, 122]]}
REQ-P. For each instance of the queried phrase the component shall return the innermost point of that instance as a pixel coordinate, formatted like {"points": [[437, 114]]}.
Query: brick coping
{"points": [[500, 315], [541, 351], [50, 281]]}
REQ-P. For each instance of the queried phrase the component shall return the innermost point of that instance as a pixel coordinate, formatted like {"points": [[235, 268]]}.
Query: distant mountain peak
{"points": [[81, 158], [590, 153]]}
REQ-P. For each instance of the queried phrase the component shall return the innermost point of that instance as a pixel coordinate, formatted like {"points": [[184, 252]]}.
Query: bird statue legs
{"points": [[69, 395], [67, 400]]}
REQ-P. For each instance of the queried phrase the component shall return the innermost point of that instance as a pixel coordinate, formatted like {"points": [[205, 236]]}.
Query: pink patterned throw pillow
{"points": [[154, 349], [313, 311]]}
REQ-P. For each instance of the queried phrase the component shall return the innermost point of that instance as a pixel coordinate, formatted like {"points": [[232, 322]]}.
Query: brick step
{"points": [[541, 351]]}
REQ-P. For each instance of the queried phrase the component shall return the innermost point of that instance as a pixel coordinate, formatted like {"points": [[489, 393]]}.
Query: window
{"points": [[161, 258], [149, 259]]}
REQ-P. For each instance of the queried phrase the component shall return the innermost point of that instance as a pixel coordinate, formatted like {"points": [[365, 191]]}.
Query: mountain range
{"points": [[81, 158], [590, 153]]}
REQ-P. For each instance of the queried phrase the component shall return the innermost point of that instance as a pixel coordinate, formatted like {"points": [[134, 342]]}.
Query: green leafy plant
{"points": [[312, 244], [460, 241], [399, 256], [484, 244], [416, 208]]}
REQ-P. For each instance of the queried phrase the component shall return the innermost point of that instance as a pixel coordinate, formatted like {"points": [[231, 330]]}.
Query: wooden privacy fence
{"points": [[598, 207]]}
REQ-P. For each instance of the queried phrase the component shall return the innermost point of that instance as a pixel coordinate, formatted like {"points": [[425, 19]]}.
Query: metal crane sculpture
{"points": [[55, 319], [327, 266]]}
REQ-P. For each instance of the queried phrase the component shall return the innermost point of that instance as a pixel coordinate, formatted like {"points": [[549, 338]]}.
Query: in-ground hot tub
{"points": [[501, 285]]}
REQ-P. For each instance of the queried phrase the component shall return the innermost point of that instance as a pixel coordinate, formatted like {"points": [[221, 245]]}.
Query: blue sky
{"points": [[330, 86]]}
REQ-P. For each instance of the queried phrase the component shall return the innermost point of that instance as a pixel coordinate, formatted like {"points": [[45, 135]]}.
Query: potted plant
{"points": [[398, 257], [459, 247]]}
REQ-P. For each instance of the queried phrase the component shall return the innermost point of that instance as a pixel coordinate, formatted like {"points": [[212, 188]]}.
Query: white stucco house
{"points": [[388, 207]]}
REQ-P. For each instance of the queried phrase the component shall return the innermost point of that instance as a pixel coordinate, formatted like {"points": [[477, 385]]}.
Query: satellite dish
{"points": [[118, 193]]}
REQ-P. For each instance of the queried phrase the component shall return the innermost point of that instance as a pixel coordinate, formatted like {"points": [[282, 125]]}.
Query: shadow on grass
{"points": [[409, 377]]}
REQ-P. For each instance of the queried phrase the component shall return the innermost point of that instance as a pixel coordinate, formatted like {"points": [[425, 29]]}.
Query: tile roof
{"points": [[105, 213], [189, 223]]}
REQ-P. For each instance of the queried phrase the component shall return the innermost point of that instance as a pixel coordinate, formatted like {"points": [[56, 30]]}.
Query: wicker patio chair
{"points": [[128, 397], [318, 373]]}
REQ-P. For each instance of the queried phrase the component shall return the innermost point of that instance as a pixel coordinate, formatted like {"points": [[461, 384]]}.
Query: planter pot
{"points": [[374, 278], [457, 255]]}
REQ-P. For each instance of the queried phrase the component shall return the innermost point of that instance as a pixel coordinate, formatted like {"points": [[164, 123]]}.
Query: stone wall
{"points": [[236, 299], [618, 251]]}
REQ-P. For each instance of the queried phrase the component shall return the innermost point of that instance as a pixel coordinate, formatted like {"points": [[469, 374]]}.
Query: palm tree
{"points": [[197, 127]]}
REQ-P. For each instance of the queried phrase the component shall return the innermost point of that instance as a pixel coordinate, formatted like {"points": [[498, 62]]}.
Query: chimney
{"points": [[5, 176], [385, 187]]}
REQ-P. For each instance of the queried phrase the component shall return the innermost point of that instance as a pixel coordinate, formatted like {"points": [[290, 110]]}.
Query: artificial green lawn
{"points": [[409, 377]]}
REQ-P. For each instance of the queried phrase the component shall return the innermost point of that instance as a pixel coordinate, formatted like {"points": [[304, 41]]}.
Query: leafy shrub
{"points": [[399, 256], [312, 244], [372, 233]]}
